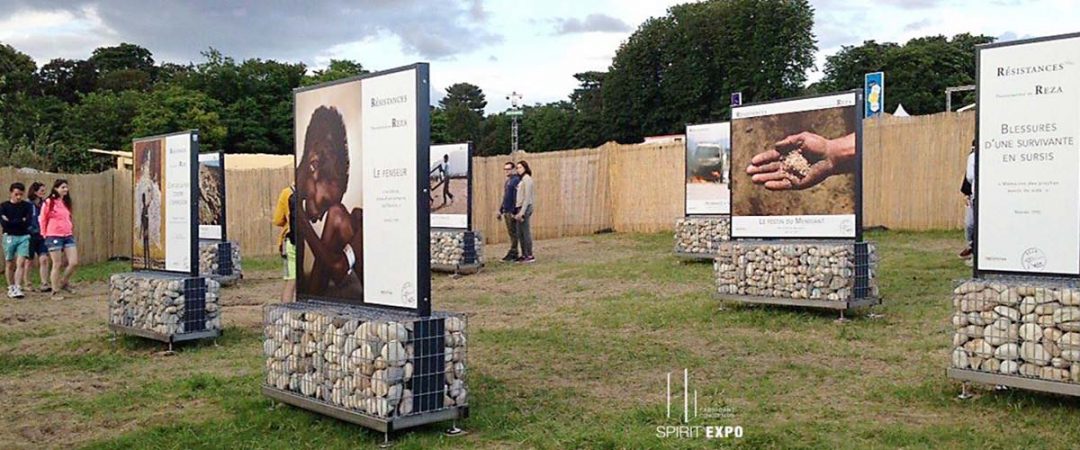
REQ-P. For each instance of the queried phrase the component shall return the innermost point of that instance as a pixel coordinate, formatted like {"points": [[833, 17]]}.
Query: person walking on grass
{"points": [[59, 233], [38, 252], [508, 209], [15, 215], [283, 217], [524, 211], [446, 180]]}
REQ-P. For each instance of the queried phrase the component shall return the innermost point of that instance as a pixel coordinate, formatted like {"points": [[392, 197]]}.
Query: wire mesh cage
{"points": [[701, 235], [1020, 327], [163, 304], [451, 249], [369, 361], [806, 270], [220, 260]]}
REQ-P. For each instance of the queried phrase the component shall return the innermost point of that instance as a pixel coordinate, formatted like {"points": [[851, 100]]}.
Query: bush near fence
{"points": [[913, 168]]}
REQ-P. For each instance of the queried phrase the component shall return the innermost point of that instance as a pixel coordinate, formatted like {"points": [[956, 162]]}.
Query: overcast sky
{"points": [[533, 47]]}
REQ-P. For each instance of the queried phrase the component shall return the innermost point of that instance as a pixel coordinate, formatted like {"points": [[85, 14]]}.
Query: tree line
{"points": [[674, 70]]}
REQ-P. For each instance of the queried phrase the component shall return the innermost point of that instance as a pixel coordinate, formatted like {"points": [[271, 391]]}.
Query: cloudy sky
{"points": [[531, 46]]}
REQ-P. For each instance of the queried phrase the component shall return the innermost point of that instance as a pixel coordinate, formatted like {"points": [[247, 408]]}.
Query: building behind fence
{"points": [[913, 166]]}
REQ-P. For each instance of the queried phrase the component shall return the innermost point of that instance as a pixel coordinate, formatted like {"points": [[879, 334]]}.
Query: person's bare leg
{"points": [[288, 293], [19, 263], [9, 272], [72, 254], [57, 258], [43, 269], [27, 268]]}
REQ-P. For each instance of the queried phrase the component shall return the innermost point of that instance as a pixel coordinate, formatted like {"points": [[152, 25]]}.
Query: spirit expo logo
{"points": [[687, 430]]}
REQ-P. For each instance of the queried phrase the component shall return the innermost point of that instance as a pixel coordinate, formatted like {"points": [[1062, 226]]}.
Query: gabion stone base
{"points": [[380, 364], [451, 251], [1018, 328], [701, 236], [164, 305], [210, 263], [817, 274]]}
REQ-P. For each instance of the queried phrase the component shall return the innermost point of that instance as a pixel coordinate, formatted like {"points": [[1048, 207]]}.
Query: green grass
{"points": [[572, 352]]}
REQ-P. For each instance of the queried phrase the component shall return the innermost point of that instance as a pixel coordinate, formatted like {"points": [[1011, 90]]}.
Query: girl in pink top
{"points": [[58, 230]]}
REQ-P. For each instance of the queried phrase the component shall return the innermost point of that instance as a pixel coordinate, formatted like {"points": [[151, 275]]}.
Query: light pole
{"points": [[514, 112]]}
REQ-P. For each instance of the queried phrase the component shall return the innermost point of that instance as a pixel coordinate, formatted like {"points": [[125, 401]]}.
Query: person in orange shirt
{"points": [[283, 217]]}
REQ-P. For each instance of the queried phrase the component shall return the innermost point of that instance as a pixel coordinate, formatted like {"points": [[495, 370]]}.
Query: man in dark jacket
{"points": [[509, 208]]}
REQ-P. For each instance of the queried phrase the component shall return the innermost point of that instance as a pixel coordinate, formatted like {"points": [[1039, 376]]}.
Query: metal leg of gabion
{"points": [[454, 430], [170, 351], [842, 319], [386, 440], [964, 394]]}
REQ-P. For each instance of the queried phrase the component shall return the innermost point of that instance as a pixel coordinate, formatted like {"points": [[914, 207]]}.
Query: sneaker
{"points": [[67, 288], [966, 253], [11, 292], [17, 291], [527, 259], [510, 257], [45, 288]]}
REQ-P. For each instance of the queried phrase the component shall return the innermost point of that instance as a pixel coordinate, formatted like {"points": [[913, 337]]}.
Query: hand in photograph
{"points": [[802, 161]]}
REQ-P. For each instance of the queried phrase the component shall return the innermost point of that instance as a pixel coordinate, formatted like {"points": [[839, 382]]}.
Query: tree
{"points": [[123, 57], [545, 127], [916, 73], [588, 103], [175, 108], [682, 68], [66, 79], [103, 119], [494, 136], [337, 70], [16, 71], [462, 109], [468, 95]]}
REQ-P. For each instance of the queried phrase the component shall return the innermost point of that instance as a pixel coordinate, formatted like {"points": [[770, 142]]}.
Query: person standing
{"points": [[59, 233], [968, 189], [38, 252], [15, 215], [446, 180], [525, 200], [509, 208], [144, 225], [283, 217]]}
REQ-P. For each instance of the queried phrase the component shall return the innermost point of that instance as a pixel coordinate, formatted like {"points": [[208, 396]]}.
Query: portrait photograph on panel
{"points": [[329, 192], [148, 241]]}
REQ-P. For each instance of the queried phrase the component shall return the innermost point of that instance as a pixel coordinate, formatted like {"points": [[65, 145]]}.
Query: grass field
{"points": [[570, 352]]}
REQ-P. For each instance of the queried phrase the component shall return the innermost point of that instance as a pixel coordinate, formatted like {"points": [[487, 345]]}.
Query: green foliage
{"points": [[916, 73], [175, 108], [682, 67], [66, 79], [337, 69]]}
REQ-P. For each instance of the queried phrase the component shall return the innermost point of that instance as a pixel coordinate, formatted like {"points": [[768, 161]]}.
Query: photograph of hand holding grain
{"points": [[785, 150]]}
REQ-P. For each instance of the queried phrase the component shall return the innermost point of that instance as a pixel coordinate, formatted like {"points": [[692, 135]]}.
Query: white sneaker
{"points": [[18, 291], [11, 292]]}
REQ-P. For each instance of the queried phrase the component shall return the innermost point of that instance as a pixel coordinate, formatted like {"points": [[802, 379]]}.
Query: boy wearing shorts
{"points": [[15, 217]]}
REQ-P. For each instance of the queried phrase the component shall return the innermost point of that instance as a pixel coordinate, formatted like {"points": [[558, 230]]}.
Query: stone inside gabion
{"points": [[208, 261], [365, 364], [157, 304], [701, 234], [1017, 329], [796, 164], [448, 248], [790, 271]]}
